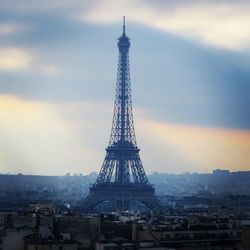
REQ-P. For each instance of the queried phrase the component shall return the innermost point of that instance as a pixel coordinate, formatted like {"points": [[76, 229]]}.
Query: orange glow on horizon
{"points": [[205, 147], [55, 138]]}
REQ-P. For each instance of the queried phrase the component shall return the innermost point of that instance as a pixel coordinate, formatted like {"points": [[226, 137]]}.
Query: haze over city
{"points": [[190, 79]]}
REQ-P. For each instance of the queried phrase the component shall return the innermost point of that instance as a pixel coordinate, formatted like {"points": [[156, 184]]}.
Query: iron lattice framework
{"points": [[122, 173], [122, 153]]}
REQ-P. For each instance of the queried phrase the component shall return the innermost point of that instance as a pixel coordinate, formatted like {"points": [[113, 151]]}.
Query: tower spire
{"points": [[124, 26]]}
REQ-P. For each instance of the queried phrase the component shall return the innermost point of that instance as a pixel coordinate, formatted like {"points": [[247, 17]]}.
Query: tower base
{"points": [[115, 197]]}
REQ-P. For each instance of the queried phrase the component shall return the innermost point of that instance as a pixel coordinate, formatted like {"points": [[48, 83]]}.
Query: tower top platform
{"points": [[123, 40]]}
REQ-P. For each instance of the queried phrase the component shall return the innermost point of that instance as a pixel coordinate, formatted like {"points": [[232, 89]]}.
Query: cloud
{"points": [[12, 59], [46, 138], [224, 24], [7, 29], [55, 138], [39, 7], [60, 74], [49, 69], [175, 80]]}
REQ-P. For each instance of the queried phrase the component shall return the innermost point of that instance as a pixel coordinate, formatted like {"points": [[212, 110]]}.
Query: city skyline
{"points": [[189, 73]]}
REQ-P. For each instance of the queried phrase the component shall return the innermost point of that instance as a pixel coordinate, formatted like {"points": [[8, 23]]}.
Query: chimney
{"points": [[8, 222]]}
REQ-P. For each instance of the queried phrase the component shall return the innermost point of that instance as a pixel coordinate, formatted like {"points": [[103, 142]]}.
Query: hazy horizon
{"points": [[149, 173]]}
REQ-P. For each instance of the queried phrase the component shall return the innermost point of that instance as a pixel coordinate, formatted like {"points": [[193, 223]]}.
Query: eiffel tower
{"points": [[122, 179]]}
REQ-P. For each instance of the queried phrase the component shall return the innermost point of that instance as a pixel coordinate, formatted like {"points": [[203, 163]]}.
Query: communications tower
{"points": [[122, 179]]}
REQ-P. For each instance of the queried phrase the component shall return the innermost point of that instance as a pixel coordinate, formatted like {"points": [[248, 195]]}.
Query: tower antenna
{"points": [[123, 25]]}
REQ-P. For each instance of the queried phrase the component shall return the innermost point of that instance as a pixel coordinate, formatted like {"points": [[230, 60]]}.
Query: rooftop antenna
{"points": [[124, 25]]}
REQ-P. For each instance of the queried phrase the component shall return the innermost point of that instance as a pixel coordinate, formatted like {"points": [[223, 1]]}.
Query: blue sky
{"points": [[190, 75]]}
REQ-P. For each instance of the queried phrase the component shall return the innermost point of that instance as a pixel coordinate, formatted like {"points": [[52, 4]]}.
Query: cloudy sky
{"points": [[190, 71]]}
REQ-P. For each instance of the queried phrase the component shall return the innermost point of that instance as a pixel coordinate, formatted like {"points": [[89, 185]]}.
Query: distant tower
{"points": [[122, 179]]}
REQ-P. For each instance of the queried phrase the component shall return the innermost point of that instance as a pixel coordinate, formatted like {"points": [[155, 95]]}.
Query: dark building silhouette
{"points": [[122, 181]]}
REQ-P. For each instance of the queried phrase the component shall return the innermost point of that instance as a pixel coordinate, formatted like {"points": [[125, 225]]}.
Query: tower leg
{"points": [[121, 198]]}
